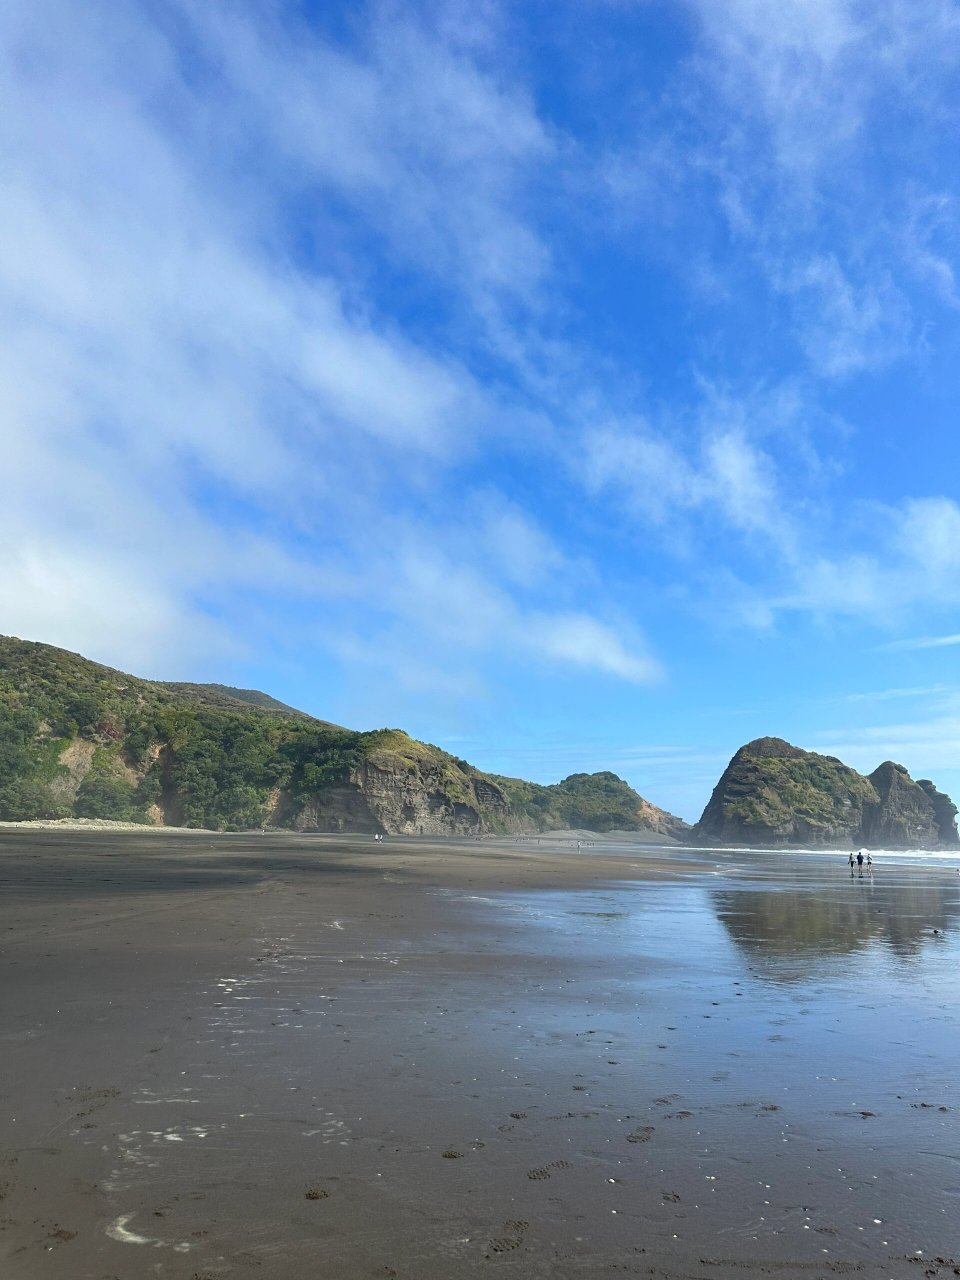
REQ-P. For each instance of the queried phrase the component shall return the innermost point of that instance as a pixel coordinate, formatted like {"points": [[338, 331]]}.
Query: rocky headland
{"points": [[773, 793], [81, 740]]}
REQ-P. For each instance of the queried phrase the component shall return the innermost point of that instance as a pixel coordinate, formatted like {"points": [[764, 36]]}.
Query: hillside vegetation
{"points": [[594, 801], [81, 739], [773, 793]]}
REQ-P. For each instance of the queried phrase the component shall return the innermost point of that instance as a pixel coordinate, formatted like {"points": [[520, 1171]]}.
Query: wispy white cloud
{"points": [[455, 604], [923, 642], [207, 415], [62, 595], [930, 242], [658, 479], [416, 127], [928, 747], [844, 326], [924, 691], [913, 563], [584, 641], [803, 132]]}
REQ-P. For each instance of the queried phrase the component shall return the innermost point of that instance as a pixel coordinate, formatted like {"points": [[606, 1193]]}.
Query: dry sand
{"points": [[308, 1057]]}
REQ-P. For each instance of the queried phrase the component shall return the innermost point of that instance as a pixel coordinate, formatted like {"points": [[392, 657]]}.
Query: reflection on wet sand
{"points": [[319, 1057], [803, 921]]}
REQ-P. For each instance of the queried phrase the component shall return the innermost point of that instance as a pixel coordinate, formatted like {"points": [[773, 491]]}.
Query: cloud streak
{"points": [[922, 642]]}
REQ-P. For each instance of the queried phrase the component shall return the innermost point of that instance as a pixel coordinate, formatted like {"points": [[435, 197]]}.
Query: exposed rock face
{"points": [[651, 818], [773, 793], [406, 797], [414, 789], [904, 814], [944, 813]]}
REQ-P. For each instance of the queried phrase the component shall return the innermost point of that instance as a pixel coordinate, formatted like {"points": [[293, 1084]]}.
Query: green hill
{"points": [[81, 739], [230, 699], [593, 801]]}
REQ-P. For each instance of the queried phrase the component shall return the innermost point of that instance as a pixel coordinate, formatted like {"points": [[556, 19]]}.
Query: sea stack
{"points": [[774, 794]]}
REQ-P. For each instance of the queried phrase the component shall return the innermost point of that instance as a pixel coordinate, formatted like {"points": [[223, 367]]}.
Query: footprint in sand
{"points": [[512, 1237], [643, 1134], [544, 1171]]}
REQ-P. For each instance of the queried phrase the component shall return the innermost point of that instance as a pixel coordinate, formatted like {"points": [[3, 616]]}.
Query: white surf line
{"points": [[117, 1230]]}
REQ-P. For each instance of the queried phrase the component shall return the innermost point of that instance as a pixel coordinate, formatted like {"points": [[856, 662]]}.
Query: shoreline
{"points": [[639, 840]]}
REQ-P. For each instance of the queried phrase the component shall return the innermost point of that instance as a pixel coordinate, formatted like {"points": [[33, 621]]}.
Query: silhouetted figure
{"points": [[860, 861]]}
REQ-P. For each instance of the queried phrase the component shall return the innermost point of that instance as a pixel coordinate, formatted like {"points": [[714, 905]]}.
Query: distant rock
{"points": [[602, 802], [773, 793]]}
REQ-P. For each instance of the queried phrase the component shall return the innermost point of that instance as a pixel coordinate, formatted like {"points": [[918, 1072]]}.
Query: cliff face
{"points": [[80, 739], [410, 788], [944, 813], [903, 814], [409, 794], [773, 793]]}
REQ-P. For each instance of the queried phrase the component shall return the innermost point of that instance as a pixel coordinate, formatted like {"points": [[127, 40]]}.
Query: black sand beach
{"points": [[309, 1057]]}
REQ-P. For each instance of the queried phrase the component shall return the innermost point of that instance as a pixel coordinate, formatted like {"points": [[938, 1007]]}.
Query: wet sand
{"points": [[310, 1057]]}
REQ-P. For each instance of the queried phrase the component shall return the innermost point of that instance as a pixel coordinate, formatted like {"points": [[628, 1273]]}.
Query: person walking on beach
{"points": [[851, 864], [860, 862], [869, 862]]}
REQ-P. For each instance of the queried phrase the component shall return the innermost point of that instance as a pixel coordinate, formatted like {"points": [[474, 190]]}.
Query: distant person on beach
{"points": [[860, 861], [870, 862], [851, 863]]}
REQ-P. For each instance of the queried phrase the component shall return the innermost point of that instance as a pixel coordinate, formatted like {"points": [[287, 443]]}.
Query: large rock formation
{"points": [[908, 814], [405, 787], [773, 793], [80, 739]]}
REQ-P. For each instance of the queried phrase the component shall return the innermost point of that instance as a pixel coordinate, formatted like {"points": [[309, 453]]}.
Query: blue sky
{"points": [[571, 384]]}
